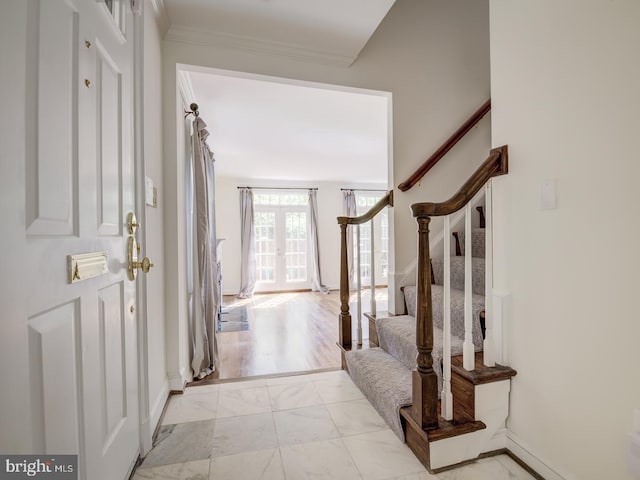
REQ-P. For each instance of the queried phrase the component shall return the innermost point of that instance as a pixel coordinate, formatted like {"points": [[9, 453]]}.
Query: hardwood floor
{"points": [[287, 332]]}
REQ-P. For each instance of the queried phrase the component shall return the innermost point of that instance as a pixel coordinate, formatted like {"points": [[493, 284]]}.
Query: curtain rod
{"points": [[279, 188], [363, 189], [194, 111]]}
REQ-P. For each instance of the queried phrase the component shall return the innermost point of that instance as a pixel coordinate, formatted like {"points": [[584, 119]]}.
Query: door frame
{"points": [[176, 67], [146, 429]]}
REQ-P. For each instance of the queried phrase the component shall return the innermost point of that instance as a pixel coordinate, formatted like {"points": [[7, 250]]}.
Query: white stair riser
{"points": [[492, 408]]}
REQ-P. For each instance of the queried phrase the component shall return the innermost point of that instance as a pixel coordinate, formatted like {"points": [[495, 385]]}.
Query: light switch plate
{"points": [[150, 196]]}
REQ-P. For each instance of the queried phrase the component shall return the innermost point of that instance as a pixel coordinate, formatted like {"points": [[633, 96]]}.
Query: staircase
{"points": [[448, 407]]}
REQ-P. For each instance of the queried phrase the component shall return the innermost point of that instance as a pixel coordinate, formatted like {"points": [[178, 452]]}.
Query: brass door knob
{"points": [[145, 265], [132, 253]]}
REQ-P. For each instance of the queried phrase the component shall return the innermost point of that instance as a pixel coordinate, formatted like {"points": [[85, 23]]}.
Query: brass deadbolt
{"points": [[132, 223]]}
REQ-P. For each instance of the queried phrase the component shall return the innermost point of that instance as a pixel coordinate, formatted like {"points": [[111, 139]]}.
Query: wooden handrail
{"points": [[445, 147], [496, 164], [344, 318], [387, 200], [424, 380]]}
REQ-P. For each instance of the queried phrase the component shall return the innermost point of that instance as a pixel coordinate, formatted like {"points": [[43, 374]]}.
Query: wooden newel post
{"points": [[344, 319], [425, 381]]}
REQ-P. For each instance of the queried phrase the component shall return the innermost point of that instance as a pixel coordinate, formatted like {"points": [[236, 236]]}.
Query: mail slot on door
{"points": [[83, 266]]}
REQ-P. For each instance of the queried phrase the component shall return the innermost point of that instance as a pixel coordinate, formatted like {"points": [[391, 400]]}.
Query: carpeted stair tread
{"points": [[385, 381], [477, 242], [457, 273], [397, 336], [457, 310]]}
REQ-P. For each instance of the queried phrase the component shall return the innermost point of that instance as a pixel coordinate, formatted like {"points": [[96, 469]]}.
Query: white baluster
{"points": [[468, 349], [488, 354], [373, 273], [359, 277], [446, 397]]}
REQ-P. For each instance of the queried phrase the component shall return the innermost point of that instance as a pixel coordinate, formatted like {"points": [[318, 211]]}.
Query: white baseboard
{"points": [[516, 446], [497, 442], [177, 381], [146, 434], [158, 405]]}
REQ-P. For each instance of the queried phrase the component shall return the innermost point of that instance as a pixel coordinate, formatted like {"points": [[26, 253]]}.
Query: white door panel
{"points": [[54, 360], [52, 129], [108, 129], [71, 188]]}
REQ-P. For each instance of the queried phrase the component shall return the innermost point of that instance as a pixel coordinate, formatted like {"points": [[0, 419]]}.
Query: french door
{"points": [[281, 247]]}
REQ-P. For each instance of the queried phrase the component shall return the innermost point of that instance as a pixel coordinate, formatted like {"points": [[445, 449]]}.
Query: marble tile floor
{"points": [[315, 426]]}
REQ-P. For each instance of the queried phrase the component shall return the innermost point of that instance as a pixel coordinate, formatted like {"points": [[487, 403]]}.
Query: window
{"points": [[364, 202]]}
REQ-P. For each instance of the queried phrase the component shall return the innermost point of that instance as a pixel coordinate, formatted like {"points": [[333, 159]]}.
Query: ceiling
{"points": [[335, 29], [263, 129], [267, 129]]}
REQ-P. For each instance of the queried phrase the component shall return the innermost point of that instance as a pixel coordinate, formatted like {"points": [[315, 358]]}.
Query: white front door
{"points": [[70, 348]]}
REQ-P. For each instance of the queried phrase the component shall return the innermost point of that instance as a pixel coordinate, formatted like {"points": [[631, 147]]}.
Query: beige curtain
{"points": [[247, 245], [350, 210], [206, 296], [316, 278]]}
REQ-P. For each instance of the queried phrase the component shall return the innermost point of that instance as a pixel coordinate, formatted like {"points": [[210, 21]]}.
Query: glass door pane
{"points": [[265, 246], [295, 246]]}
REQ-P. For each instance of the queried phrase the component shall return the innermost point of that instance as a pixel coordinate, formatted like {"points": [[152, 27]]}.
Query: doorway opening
{"points": [[282, 137]]}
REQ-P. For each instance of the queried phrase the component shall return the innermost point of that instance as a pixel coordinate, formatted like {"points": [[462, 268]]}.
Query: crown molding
{"points": [[161, 14], [185, 88], [213, 38]]}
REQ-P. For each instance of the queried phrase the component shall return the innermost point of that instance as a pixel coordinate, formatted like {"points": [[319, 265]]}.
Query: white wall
{"points": [[565, 90], [329, 208], [154, 216], [434, 58]]}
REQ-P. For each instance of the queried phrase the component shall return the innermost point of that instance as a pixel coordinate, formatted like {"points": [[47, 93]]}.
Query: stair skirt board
{"points": [[385, 381], [456, 443], [492, 409]]}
